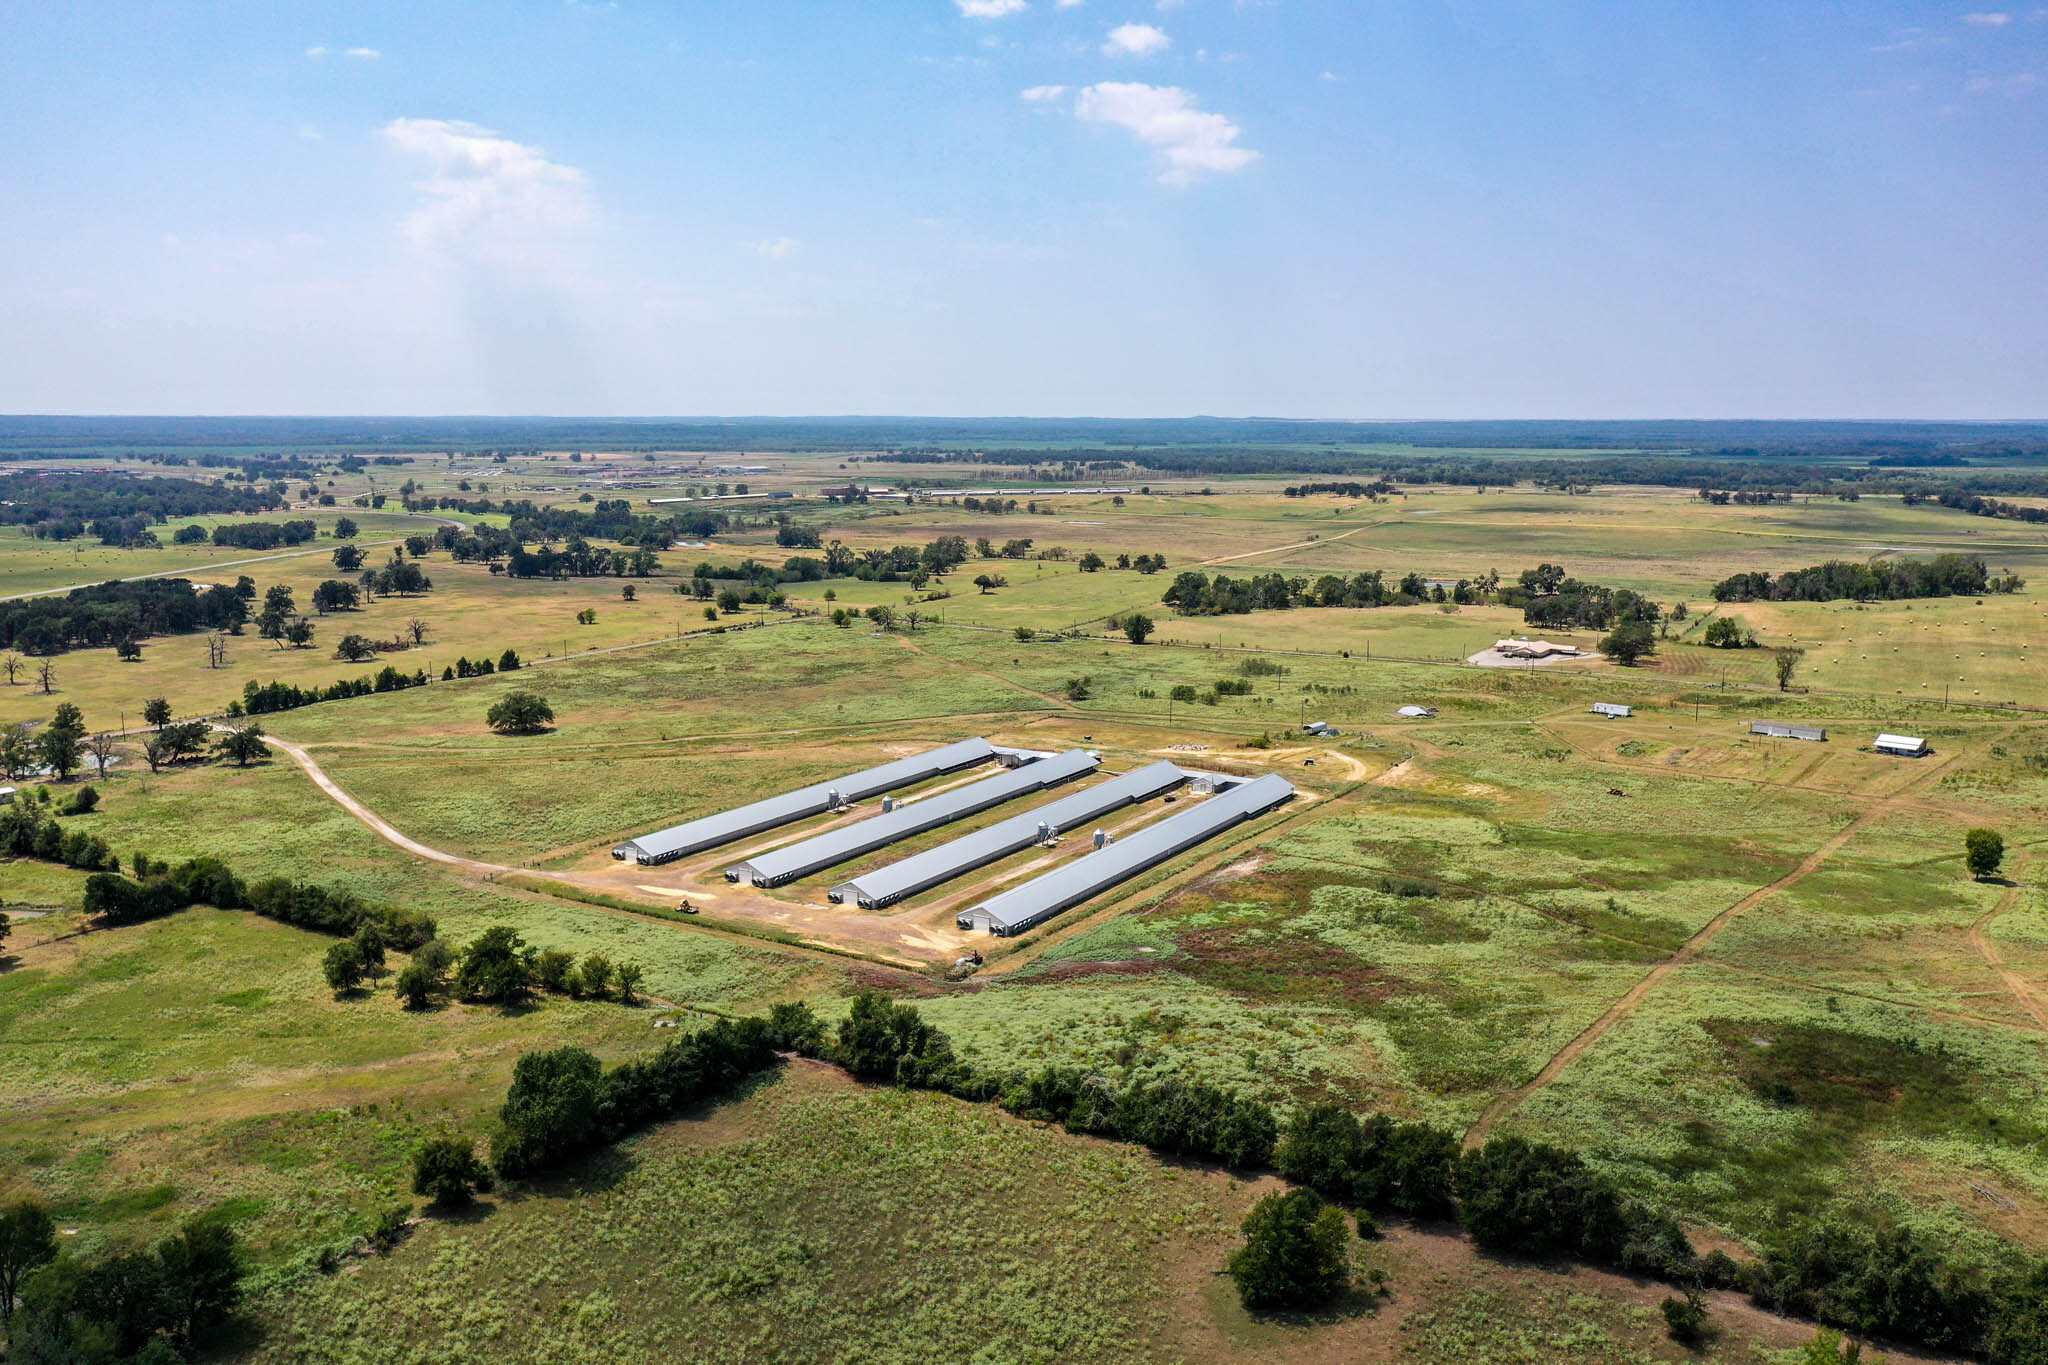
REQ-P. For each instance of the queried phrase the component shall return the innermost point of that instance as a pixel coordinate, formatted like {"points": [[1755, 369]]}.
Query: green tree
{"points": [[344, 967], [1685, 1319], [201, 1279], [1295, 1252], [630, 975], [494, 968], [61, 745], [446, 1171], [28, 1238], [425, 976], [1983, 851], [369, 941], [156, 711], [729, 601], [1091, 562], [1628, 642], [552, 970], [550, 1110], [520, 713], [1727, 632], [1138, 627], [1785, 660], [877, 1036], [355, 648], [344, 529], [348, 558], [242, 743], [594, 977]]}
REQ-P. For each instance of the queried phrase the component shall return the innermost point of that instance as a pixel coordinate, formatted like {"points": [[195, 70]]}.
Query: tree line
{"points": [[263, 535], [60, 506], [105, 614], [1511, 1195], [1945, 575]]}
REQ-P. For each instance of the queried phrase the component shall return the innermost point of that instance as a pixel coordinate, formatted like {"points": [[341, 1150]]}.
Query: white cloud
{"points": [[489, 198], [1163, 5], [1041, 94], [366, 54], [1135, 40], [2020, 83], [990, 9], [1066, 4], [317, 50], [1992, 19], [1193, 142], [1331, 76], [773, 248]]}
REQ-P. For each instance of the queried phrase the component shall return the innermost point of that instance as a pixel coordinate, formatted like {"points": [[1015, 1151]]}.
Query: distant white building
{"points": [[1907, 746], [1612, 709], [1416, 712]]}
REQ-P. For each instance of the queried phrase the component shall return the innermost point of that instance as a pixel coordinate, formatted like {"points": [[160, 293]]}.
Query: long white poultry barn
{"points": [[835, 846], [669, 844], [886, 885], [1088, 876]]}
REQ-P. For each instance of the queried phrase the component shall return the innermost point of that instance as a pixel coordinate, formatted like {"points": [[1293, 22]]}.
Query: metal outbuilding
{"points": [[711, 831], [885, 886], [835, 846], [1612, 709], [1038, 900], [1321, 728], [1780, 730], [1415, 712], [1907, 746]]}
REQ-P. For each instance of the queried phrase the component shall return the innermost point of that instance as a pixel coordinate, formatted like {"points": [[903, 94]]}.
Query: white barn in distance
{"points": [[1905, 746], [1612, 709]]}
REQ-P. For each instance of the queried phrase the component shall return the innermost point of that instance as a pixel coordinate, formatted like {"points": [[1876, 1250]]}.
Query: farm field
{"points": [[1695, 955]]}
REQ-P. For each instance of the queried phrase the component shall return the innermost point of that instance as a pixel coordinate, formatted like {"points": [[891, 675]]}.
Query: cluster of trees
{"points": [[59, 506], [1979, 506], [1885, 1280], [1194, 593], [1548, 596], [500, 968], [1743, 497], [264, 535], [1349, 488], [1946, 575], [146, 1307], [157, 889], [262, 698], [29, 828], [482, 668], [579, 559], [107, 614]]}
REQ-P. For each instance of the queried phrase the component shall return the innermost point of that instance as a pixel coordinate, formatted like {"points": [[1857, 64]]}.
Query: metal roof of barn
{"points": [[1912, 743], [723, 828], [1780, 730], [1092, 873], [1611, 708], [835, 846], [884, 886]]}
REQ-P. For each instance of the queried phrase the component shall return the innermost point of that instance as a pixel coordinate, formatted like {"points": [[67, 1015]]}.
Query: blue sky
{"points": [[1026, 207]]}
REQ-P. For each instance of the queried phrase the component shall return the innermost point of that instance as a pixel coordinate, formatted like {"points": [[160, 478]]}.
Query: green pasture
{"points": [[28, 565]]}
